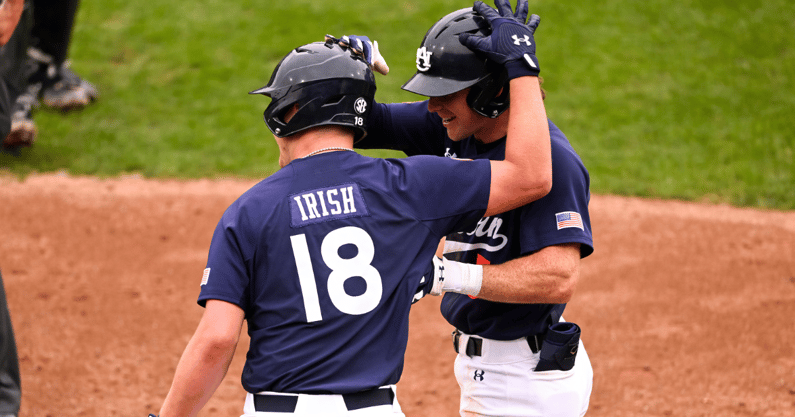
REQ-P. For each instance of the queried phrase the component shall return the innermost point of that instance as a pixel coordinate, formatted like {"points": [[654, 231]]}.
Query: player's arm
{"points": [[205, 361], [526, 173], [548, 276], [10, 12]]}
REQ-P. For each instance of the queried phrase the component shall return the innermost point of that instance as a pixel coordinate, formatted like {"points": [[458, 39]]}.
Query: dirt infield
{"points": [[686, 309]]}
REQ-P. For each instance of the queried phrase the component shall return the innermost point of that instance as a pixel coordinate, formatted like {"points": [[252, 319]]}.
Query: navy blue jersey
{"points": [[559, 217], [325, 256]]}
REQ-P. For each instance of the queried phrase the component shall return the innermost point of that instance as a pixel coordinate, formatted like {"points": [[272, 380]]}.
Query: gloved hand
{"points": [[511, 42], [362, 45], [458, 277], [438, 276]]}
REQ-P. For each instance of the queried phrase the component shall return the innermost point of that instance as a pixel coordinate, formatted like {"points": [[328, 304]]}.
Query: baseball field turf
{"points": [[689, 100]]}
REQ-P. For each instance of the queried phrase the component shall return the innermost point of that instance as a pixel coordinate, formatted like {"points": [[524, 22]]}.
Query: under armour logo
{"points": [[517, 40], [424, 59], [478, 375]]}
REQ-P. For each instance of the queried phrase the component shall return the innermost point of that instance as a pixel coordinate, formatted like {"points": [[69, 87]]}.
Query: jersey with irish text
{"points": [[325, 257]]}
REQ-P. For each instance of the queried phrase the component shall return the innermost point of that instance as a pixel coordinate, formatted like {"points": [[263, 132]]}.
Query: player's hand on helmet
{"points": [[361, 45], [511, 42]]}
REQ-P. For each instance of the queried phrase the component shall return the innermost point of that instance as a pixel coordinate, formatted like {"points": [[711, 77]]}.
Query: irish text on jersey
{"points": [[325, 204]]}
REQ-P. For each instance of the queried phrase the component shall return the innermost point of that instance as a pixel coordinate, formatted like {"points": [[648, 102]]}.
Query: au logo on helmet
{"points": [[423, 59]]}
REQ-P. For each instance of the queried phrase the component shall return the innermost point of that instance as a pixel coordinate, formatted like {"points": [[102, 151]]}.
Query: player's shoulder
{"points": [[389, 172], [559, 139], [562, 148], [436, 167], [567, 166], [262, 196], [275, 184], [424, 175], [419, 108]]}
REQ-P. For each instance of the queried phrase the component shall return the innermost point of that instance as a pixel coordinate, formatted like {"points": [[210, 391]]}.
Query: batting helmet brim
{"points": [[437, 86]]}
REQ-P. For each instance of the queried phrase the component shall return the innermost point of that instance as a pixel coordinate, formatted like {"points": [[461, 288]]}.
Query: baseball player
{"points": [[15, 22], [50, 75], [40, 68], [323, 258], [515, 355]]}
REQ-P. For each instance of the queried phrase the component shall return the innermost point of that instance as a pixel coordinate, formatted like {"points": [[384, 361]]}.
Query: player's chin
{"points": [[456, 135], [454, 131]]}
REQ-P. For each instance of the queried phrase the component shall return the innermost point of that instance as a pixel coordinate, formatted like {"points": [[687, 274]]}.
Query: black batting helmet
{"points": [[329, 83], [445, 66]]}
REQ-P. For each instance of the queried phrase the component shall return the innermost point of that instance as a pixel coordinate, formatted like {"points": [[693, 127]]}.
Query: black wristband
{"points": [[521, 68]]}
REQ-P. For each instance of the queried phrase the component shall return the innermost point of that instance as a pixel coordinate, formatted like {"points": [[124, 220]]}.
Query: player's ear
{"points": [[541, 86], [289, 113]]}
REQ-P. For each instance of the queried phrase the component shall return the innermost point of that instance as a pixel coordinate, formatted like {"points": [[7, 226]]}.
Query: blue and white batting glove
{"points": [[368, 50], [511, 42]]}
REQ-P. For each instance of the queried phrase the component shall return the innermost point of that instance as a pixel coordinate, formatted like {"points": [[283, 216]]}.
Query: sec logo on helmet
{"points": [[360, 106]]}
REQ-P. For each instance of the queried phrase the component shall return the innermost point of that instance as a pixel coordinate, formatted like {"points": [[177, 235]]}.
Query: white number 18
{"points": [[341, 270]]}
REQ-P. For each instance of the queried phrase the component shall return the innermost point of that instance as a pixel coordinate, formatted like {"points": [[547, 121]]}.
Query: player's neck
{"points": [[316, 140], [493, 129]]}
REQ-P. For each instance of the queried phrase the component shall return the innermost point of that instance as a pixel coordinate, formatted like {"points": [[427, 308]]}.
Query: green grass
{"points": [[689, 100]]}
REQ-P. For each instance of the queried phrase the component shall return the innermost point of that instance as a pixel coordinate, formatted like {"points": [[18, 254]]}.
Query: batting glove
{"points": [[451, 276], [362, 45], [511, 42]]}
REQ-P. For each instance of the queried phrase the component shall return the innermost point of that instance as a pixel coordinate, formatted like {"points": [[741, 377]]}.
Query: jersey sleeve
{"points": [[562, 215], [447, 194], [226, 276], [407, 127]]}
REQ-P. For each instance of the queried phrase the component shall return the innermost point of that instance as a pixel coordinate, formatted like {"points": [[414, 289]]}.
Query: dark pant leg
{"points": [[5, 109], [53, 21], [13, 79], [13, 55], [10, 387]]}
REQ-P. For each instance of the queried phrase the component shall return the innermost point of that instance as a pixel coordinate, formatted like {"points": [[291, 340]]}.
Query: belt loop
{"points": [[534, 343], [474, 346], [456, 337]]}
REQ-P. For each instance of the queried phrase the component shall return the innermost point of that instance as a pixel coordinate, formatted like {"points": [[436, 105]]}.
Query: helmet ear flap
{"points": [[490, 96], [446, 66], [274, 116]]}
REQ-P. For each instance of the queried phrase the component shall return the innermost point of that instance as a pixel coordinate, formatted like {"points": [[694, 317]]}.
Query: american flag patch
{"points": [[569, 219]]}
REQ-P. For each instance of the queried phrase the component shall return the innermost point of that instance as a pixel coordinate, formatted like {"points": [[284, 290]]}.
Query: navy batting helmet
{"points": [[445, 66], [330, 85]]}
